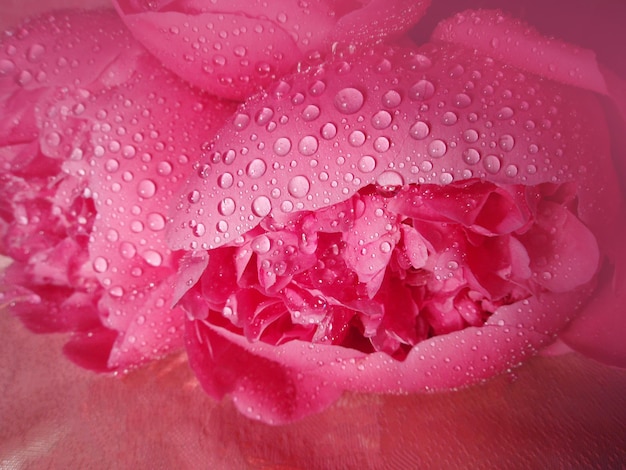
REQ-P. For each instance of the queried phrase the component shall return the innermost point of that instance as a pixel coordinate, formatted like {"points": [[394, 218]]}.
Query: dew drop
{"points": [[349, 100], [164, 168], [255, 169], [507, 142], [505, 113], [471, 156], [492, 164], [308, 145], [282, 146], [225, 180], [261, 244], [511, 171], [100, 264], [194, 196], [421, 90], [356, 138], [199, 229], [449, 118], [381, 120], [146, 188], [156, 221], [367, 164], [127, 250], [112, 165], [390, 179], [391, 99], [462, 100], [385, 247], [328, 131], [382, 144], [446, 178], [35, 52], [262, 206], [470, 135], [317, 88], [226, 206], [299, 186], [310, 113], [420, 130], [437, 148], [153, 258], [241, 121], [263, 116], [116, 291]]}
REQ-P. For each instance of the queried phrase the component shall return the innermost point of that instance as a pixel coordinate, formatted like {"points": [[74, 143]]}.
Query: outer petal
{"points": [[234, 48], [120, 134], [391, 117], [278, 384]]}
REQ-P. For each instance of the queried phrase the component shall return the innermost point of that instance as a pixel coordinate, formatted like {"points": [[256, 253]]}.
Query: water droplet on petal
{"points": [[225, 180], [261, 206], [308, 145], [492, 164], [349, 100], [367, 164], [255, 169], [241, 121], [156, 221], [381, 120], [437, 148], [310, 113], [146, 188], [421, 90], [471, 156], [153, 258], [282, 146], [299, 186], [261, 244], [505, 113], [391, 99], [329, 130], [462, 100], [507, 142], [226, 206], [420, 130], [382, 144], [449, 118], [356, 138], [100, 264], [263, 116]]}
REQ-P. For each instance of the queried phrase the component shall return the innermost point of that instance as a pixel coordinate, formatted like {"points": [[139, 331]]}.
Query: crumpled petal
{"points": [[234, 48], [109, 135]]}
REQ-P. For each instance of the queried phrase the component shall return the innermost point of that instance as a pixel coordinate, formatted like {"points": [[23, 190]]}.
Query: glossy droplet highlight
{"points": [[328, 131], [420, 130], [310, 113], [226, 206], [422, 90], [391, 99], [282, 146], [255, 169], [308, 145], [381, 120], [492, 164], [146, 188]]}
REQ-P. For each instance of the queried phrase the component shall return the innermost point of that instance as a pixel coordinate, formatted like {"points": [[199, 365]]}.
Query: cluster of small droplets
{"points": [[311, 141]]}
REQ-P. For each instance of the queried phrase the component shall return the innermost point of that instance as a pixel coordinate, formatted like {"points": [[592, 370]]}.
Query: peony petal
{"points": [[234, 48], [322, 135], [277, 384], [509, 40]]}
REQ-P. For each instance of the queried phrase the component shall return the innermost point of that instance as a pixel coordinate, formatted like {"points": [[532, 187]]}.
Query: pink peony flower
{"points": [[381, 217]]}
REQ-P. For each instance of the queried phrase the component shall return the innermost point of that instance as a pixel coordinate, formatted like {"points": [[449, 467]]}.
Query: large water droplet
{"points": [[261, 206], [462, 100], [255, 169], [308, 145], [507, 142], [328, 131], [492, 164], [381, 120], [153, 258], [356, 138], [422, 90], [437, 148], [505, 113], [100, 264], [261, 244], [349, 100], [419, 130], [391, 99], [382, 144], [146, 188], [310, 113], [127, 250], [282, 146], [156, 221], [449, 118], [225, 180], [241, 121], [299, 186], [367, 164], [471, 156], [263, 116], [226, 206]]}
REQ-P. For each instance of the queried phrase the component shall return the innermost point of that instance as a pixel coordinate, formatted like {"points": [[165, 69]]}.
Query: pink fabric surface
{"points": [[564, 411]]}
